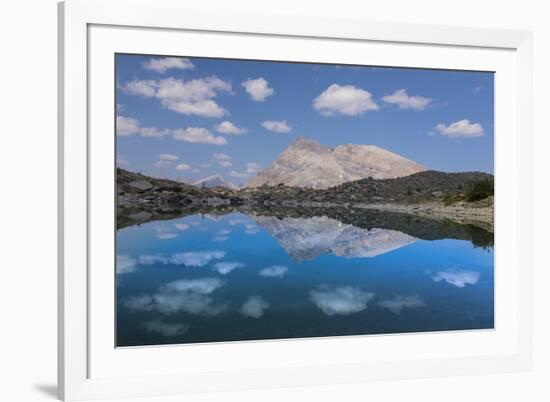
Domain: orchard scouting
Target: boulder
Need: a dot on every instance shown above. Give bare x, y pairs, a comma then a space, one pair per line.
140, 185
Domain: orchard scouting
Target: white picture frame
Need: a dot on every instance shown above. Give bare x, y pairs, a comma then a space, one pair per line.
89, 30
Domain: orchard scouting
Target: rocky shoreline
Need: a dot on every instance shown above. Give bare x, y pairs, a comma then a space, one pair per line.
422, 194
478, 213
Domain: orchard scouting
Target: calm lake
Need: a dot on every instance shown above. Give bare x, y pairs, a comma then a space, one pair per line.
248, 276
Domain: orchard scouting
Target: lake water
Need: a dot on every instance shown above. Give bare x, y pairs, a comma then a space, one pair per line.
211, 278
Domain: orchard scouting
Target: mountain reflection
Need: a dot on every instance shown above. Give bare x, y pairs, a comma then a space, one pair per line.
307, 233
308, 238
226, 274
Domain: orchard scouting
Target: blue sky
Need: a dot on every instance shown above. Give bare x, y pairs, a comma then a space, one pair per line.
188, 118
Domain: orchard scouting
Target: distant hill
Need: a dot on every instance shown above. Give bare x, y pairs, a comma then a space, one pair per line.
214, 181
416, 187
306, 163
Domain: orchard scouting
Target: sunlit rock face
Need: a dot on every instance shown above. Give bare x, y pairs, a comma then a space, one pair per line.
306, 163
307, 238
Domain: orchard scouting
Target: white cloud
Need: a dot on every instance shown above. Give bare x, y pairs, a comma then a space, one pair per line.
460, 129
198, 135
258, 89
225, 267
145, 88
166, 63
478, 88
125, 264
163, 164
195, 170
194, 97
277, 126
458, 278
224, 232
164, 328
153, 132
404, 101
226, 127
126, 126
165, 160
167, 157
254, 307
399, 303
204, 108
193, 91
189, 296
239, 175
253, 167
274, 271
220, 239
344, 99
221, 157
196, 258
183, 167
343, 300
223, 160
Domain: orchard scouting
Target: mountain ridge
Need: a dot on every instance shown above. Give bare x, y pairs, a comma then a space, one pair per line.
321, 167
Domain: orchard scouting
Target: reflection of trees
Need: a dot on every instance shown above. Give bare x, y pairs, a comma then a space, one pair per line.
480, 237
413, 225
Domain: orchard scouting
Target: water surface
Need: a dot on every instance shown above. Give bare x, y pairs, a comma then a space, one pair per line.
247, 276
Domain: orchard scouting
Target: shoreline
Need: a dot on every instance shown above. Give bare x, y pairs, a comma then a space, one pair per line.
422, 195
478, 215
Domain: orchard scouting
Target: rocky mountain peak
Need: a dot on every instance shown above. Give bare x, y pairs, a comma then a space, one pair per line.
306, 163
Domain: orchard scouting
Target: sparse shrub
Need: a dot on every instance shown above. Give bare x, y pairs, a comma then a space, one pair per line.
450, 198
479, 190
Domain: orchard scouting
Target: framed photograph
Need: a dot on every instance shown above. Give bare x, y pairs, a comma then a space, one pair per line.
264, 201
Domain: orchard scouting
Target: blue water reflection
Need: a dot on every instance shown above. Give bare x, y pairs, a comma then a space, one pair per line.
206, 278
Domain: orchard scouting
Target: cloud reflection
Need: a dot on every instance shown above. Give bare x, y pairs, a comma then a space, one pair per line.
196, 258
191, 296
181, 226
164, 233
225, 267
125, 264
165, 328
274, 271
458, 278
254, 307
342, 300
189, 258
399, 303
251, 229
